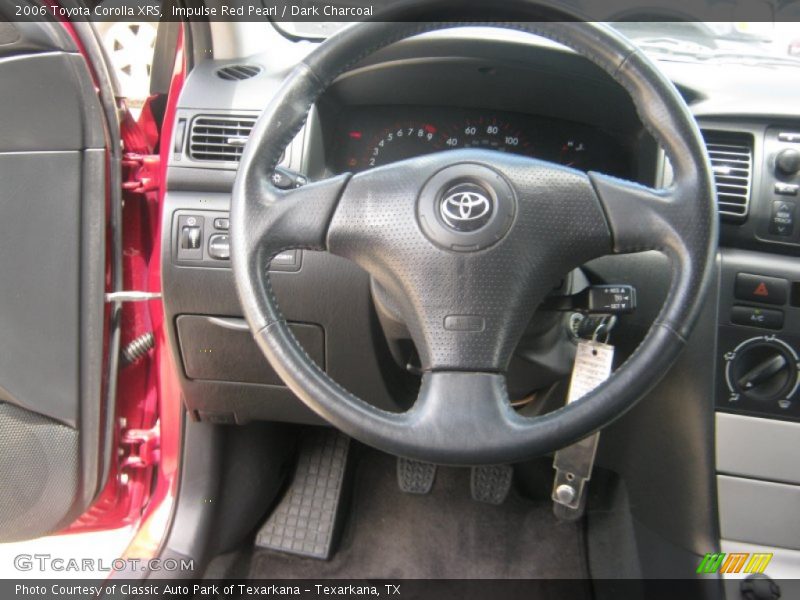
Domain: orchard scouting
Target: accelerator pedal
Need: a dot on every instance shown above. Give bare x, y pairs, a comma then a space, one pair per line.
491, 484
415, 477
304, 522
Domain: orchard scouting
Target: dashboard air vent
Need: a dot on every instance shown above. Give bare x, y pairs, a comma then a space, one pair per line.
219, 137
238, 72
731, 158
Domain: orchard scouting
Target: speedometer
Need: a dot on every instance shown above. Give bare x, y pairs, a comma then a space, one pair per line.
489, 133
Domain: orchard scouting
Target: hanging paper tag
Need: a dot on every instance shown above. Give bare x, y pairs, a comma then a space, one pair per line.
592, 367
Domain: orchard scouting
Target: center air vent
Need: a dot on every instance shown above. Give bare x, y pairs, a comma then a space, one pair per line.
238, 72
731, 158
219, 138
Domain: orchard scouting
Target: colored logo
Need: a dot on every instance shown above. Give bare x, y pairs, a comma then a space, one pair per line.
734, 562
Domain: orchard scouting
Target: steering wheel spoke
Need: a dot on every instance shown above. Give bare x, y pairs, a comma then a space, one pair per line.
640, 218
461, 409
671, 221
273, 220
296, 218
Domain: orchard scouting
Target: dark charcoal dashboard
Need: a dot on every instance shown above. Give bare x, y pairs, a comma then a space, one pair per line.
456, 93
487, 93
437, 92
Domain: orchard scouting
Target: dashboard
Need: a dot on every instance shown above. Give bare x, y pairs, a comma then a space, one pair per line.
446, 91
371, 136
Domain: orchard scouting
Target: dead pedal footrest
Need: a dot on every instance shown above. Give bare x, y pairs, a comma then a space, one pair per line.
415, 477
304, 522
491, 484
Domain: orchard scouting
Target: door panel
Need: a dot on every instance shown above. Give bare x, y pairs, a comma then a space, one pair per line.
53, 178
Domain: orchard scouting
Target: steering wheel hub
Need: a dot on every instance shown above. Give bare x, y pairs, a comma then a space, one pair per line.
466, 207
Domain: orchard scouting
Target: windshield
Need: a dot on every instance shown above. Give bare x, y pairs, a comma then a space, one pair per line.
757, 43
740, 43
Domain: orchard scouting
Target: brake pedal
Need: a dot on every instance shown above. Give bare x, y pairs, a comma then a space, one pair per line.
304, 521
415, 477
491, 484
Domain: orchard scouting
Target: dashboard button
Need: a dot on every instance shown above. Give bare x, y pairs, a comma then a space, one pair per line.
288, 260
284, 258
758, 288
191, 237
219, 247
781, 219
789, 136
757, 317
786, 189
222, 224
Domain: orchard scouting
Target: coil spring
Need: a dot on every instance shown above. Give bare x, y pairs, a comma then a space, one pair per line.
137, 348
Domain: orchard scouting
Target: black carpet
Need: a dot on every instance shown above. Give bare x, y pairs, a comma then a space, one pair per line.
389, 534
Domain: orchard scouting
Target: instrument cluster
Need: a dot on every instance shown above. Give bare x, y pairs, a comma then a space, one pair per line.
371, 136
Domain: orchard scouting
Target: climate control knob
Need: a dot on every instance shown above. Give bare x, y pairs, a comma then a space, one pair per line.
763, 369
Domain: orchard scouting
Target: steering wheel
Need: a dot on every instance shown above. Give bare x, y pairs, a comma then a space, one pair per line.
468, 243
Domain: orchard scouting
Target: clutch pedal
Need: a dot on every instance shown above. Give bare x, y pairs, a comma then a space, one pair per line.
305, 520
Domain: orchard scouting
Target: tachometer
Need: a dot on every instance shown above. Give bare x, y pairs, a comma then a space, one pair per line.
489, 133
400, 141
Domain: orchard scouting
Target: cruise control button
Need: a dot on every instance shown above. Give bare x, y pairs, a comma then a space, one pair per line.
781, 219
758, 288
219, 247
757, 317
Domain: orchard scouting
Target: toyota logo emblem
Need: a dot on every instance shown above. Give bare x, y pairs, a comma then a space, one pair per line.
466, 207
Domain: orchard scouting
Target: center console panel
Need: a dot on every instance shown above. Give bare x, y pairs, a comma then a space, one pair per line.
759, 335
757, 361
758, 401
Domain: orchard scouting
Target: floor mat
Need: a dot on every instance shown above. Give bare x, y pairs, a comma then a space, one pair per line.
446, 534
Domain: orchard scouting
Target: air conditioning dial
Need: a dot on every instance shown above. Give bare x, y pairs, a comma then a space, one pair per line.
764, 369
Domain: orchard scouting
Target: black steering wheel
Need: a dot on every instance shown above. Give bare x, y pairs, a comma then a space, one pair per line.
468, 243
